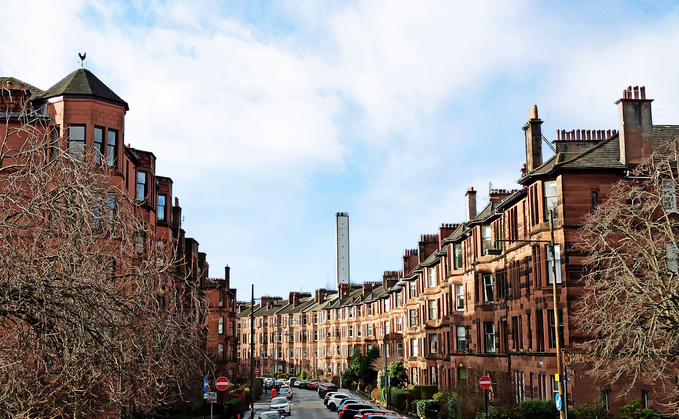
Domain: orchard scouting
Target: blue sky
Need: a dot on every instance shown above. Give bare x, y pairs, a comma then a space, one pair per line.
270, 117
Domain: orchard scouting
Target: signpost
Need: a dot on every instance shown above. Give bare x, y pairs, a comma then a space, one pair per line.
485, 382
222, 383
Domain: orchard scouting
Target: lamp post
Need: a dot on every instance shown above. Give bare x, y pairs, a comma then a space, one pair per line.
563, 413
252, 354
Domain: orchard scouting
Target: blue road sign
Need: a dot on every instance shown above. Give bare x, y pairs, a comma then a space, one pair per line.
206, 388
557, 400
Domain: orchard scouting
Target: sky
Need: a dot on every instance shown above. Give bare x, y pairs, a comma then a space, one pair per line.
271, 117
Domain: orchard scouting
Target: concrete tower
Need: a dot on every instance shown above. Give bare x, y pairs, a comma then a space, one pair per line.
342, 248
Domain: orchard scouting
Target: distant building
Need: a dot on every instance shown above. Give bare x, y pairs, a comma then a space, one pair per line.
342, 248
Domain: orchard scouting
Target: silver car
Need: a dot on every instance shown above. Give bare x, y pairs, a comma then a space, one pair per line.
281, 405
272, 414
285, 391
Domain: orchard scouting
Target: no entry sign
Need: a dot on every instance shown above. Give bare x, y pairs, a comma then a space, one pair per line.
485, 382
222, 383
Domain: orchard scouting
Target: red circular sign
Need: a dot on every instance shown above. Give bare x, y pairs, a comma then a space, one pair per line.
222, 383
257, 371
485, 382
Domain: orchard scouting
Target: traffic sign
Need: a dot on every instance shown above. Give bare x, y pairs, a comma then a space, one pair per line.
222, 383
557, 401
257, 371
211, 397
485, 382
206, 388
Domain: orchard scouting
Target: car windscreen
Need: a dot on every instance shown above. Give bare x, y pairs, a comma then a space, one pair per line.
279, 400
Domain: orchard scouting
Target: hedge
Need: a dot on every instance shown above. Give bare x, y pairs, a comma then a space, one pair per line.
425, 392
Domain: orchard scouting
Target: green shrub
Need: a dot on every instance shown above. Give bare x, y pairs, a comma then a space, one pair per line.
505, 412
232, 408
425, 392
633, 410
449, 401
399, 397
539, 409
426, 408
589, 411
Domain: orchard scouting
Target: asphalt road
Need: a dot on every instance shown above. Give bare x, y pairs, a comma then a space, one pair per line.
305, 404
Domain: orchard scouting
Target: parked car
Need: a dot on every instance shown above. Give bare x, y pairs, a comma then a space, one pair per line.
381, 416
345, 402
312, 385
285, 391
350, 410
272, 414
334, 401
269, 382
367, 412
301, 383
281, 405
324, 388
292, 381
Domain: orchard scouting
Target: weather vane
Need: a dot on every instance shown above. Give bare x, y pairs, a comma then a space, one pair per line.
82, 59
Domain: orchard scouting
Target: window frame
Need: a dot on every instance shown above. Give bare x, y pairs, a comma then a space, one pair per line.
112, 148
74, 143
550, 201
489, 337
99, 153
142, 192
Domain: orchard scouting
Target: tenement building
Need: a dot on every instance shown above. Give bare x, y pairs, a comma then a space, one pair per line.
83, 118
478, 296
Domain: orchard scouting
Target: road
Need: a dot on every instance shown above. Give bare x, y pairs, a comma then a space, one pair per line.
305, 404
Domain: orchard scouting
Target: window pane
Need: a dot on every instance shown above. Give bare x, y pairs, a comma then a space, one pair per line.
98, 144
76, 141
557, 256
161, 207
141, 186
550, 199
112, 147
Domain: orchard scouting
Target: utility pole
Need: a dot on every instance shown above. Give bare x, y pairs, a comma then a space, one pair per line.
559, 368
252, 353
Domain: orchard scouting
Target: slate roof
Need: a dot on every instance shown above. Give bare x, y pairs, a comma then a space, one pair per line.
246, 310
603, 155
82, 82
34, 90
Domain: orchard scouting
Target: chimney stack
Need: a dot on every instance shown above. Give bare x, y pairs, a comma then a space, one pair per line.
367, 289
227, 276
533, 140
636, 126
471, 204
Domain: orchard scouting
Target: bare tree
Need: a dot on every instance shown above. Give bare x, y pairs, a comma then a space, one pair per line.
91, 317
629, 315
